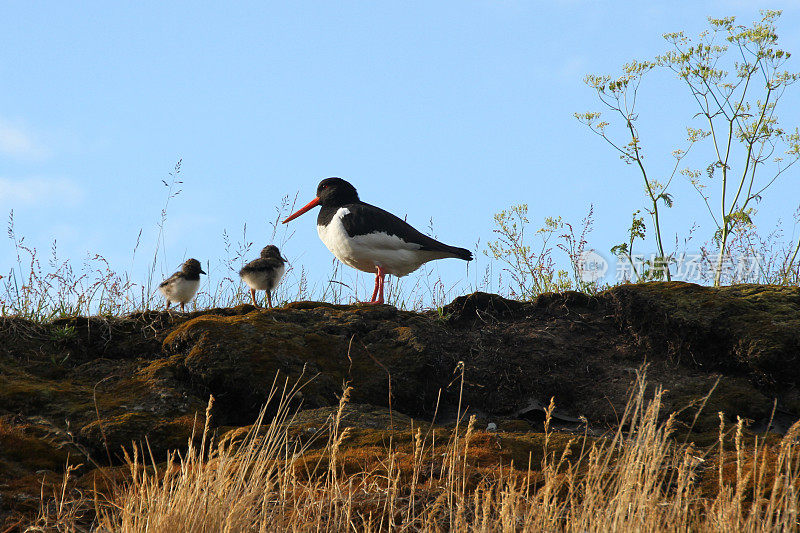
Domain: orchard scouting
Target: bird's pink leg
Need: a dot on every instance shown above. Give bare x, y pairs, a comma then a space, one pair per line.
381, 276
269, 299
253, 297
377, 284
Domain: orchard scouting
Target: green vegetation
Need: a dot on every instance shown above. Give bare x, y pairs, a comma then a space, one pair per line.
533, 270
46, 289
735, 76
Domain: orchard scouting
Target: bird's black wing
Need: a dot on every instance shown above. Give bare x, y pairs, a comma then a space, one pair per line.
172, 278
261, 265
364, 219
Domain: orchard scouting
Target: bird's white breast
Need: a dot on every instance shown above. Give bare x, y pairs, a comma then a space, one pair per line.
366, 252
278, 275
264, 280
180, 290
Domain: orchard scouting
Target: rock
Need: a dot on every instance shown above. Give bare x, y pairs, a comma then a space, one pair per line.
748, 332
237, 358
751, 330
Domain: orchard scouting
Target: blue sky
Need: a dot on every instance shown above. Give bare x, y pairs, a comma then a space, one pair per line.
443, 110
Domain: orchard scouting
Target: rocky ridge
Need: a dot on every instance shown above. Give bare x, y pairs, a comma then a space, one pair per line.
86, 387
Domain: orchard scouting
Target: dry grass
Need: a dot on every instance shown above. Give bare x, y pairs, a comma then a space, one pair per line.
640, 479
520, 263
45, 286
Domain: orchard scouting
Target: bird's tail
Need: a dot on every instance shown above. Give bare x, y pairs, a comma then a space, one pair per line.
461, 253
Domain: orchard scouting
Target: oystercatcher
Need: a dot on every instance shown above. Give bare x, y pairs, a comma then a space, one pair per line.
264, 273
182, 285
370, 239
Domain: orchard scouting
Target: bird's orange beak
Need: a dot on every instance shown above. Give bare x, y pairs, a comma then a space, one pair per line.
312, 203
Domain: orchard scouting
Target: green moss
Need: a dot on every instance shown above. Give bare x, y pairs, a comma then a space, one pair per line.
747, 327
238, 357
22, 453
161, 433
23, 392
147, 375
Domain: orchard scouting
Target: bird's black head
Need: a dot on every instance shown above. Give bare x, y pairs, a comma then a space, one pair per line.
271, 251
336, 192
192, 266
331, 192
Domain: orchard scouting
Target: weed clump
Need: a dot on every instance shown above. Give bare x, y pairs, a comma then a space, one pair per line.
639, 478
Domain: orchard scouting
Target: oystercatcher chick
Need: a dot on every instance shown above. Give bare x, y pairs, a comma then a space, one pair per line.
182, 285
370, 239
264, 273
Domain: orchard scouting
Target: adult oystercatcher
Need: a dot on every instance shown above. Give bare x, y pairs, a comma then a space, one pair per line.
370, 239
182, 285
264, 273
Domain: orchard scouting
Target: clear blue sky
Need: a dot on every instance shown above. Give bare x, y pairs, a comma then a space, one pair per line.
443, 110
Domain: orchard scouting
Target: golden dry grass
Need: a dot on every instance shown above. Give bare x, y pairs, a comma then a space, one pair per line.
640, 479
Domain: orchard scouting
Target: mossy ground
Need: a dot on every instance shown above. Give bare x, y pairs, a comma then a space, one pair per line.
86, 387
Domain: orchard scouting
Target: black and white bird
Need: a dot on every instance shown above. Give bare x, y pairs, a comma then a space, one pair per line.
264, 273
182, 285
370, 239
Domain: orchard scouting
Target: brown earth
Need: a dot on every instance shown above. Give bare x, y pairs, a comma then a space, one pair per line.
86, 387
